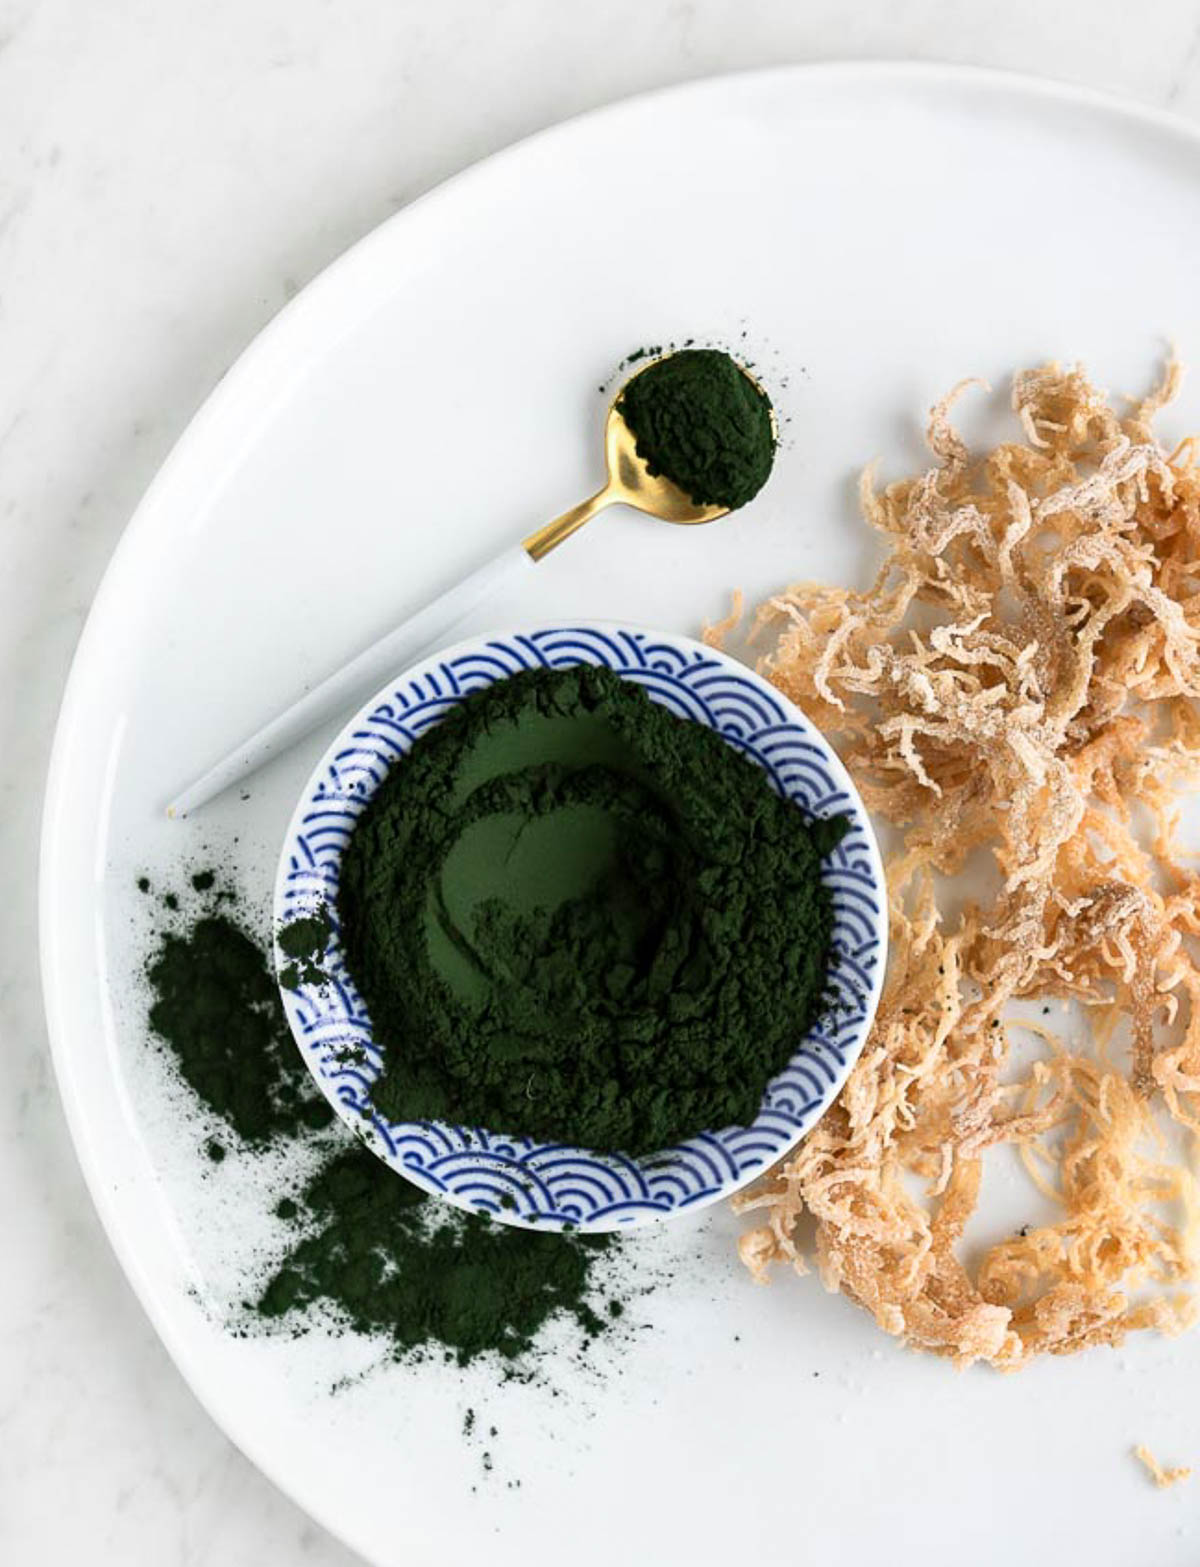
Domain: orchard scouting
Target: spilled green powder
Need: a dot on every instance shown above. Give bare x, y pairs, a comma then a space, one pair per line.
391, 1261
359, 1239
575, 916
304, 942
217, 1011
700, 421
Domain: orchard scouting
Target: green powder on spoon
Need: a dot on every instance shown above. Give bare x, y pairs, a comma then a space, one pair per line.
699, 420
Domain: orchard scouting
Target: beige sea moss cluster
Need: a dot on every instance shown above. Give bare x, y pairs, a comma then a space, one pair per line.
1019, 683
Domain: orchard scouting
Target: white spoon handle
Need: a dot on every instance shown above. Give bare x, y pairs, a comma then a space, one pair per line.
353, 683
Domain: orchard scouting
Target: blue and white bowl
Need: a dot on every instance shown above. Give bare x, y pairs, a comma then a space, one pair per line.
549, 1185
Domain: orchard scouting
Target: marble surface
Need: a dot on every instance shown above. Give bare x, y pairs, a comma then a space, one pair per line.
170, 174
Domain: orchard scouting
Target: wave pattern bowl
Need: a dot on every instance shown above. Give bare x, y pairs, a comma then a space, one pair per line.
549, 1185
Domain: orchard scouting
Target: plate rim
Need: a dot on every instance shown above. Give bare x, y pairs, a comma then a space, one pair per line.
235, 385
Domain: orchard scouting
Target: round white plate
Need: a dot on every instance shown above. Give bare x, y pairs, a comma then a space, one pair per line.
867, 235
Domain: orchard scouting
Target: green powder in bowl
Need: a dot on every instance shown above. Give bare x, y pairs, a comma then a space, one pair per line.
606, 925
573, 914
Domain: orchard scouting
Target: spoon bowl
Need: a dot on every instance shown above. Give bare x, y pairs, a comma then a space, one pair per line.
629, 483
632, 483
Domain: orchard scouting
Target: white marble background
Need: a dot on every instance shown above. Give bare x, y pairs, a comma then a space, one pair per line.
170, 172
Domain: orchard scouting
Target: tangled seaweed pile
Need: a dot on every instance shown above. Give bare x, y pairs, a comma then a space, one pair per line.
1020, 682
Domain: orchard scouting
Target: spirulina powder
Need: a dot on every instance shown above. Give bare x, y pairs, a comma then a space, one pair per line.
428, 1277
576, 916
698, 419
362, 1244
216, 1010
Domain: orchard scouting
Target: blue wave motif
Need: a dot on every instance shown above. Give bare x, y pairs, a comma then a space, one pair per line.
548, 1185
672, 1186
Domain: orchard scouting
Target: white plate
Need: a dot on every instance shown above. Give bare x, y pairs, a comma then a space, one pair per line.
876, 233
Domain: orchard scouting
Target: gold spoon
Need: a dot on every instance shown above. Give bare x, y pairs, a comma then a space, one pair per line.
629, 482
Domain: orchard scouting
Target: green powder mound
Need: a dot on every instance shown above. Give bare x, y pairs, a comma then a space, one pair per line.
216, 1009
575, 916
360, 1239
698, 420
391, 1261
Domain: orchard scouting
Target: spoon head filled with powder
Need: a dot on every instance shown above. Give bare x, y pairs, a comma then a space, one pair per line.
699, 421
689, 438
